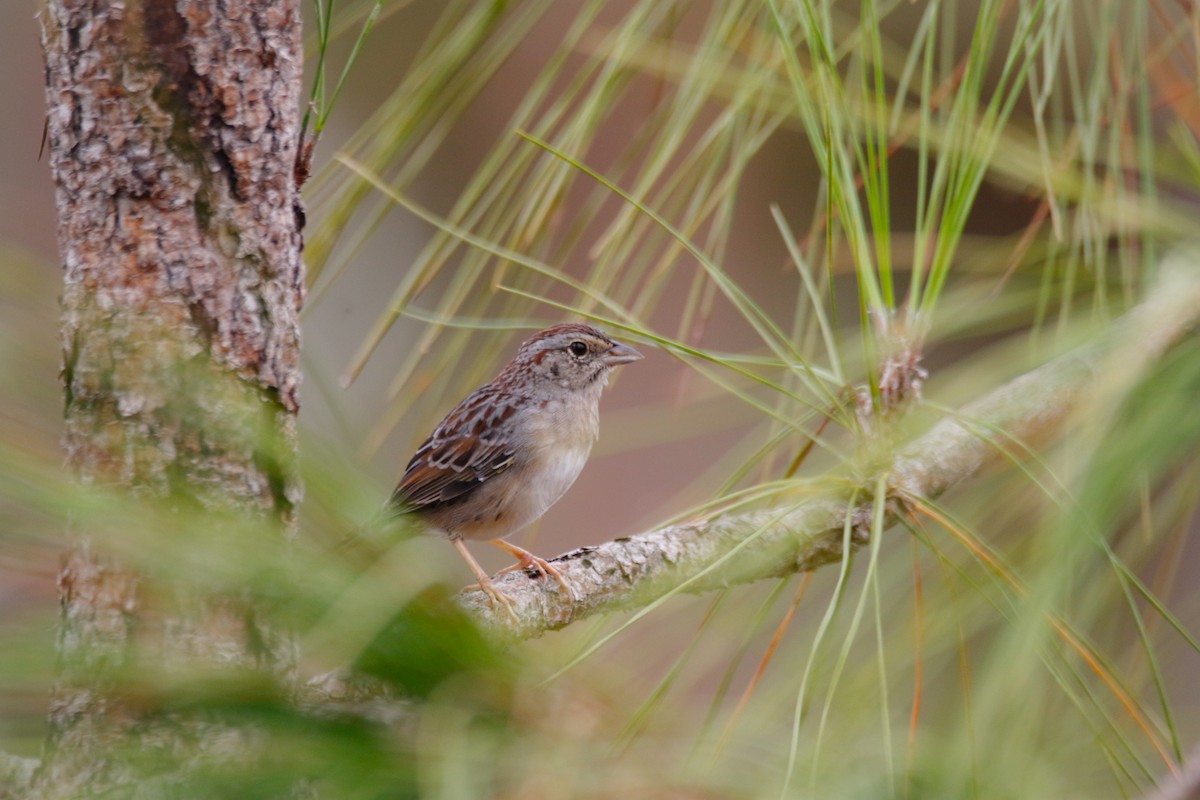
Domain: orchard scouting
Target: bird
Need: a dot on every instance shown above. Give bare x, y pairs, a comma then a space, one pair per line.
504, 455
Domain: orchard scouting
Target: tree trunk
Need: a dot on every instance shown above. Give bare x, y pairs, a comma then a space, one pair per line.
173, 130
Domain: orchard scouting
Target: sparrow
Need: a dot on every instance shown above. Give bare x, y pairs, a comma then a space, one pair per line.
512, 448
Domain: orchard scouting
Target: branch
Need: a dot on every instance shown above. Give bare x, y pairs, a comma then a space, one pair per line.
710, 554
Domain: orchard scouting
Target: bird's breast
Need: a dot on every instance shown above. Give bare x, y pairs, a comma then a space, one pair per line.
560, 441
549, 480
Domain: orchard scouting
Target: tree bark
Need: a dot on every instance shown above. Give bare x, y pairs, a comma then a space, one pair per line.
173, 130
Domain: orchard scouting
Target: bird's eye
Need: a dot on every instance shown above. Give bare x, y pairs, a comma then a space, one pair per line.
578, 349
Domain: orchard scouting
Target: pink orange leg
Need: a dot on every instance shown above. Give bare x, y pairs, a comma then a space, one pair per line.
485, 583
526, 559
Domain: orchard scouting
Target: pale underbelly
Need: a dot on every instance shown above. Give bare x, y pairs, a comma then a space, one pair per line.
513, 500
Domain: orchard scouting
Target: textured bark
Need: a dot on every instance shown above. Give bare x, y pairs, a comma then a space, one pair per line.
709, 554
173, 130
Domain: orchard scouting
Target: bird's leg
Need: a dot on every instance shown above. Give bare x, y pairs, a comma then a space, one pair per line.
497, 597
526, 559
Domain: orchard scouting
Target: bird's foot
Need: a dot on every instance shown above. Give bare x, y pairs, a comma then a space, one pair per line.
527, 560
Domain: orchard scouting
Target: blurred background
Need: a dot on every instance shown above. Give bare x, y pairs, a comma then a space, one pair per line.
1092, 177
31, 400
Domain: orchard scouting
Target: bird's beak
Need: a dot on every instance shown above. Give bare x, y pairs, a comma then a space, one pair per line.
621, 354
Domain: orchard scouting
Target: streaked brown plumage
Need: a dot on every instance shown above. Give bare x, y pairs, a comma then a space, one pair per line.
507, 452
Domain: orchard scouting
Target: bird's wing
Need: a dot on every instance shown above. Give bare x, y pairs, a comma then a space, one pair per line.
471, 445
